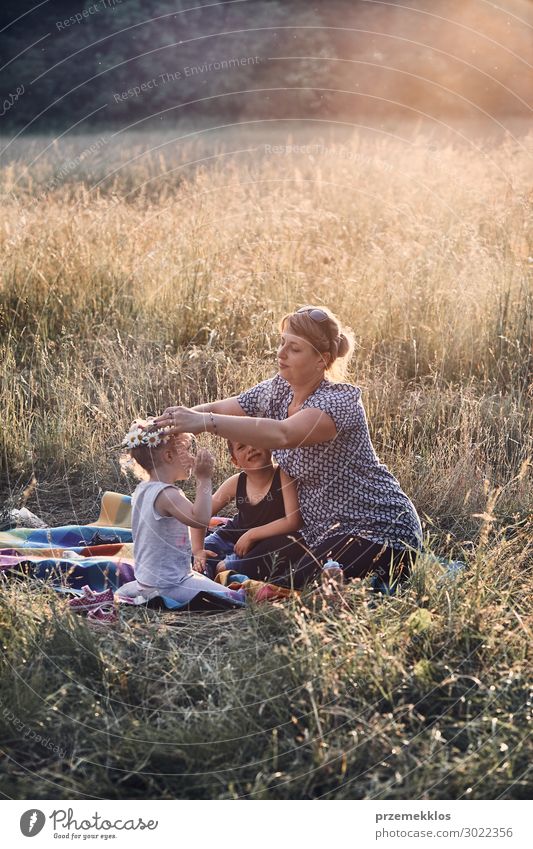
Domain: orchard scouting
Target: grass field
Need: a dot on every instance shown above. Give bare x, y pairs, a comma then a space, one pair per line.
138, 272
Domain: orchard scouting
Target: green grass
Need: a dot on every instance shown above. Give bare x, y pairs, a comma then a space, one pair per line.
420, 696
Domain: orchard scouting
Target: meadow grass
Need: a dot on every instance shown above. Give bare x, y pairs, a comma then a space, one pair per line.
133, 279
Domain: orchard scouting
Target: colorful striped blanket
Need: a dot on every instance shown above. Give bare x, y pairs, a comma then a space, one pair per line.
70, 556
101, 555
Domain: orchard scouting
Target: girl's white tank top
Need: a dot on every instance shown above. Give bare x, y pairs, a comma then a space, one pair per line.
161, 544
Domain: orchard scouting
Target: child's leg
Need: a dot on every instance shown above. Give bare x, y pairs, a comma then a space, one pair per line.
232, 559
231, 562
133, 589
222, 548
187, 589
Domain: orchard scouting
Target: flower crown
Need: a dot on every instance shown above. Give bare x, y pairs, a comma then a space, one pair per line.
144, 435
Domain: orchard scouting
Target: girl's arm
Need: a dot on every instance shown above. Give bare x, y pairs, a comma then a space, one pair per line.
224, 494
172, 502
291, 522
307, 427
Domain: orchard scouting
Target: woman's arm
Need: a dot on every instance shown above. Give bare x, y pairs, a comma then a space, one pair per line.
226, 406
304, 428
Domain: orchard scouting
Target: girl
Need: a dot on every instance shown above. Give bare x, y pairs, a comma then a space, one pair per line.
162, 516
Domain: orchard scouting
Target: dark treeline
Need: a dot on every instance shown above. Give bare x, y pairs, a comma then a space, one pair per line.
120, 62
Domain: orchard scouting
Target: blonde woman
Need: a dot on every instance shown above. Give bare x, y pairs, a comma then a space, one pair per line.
353, 509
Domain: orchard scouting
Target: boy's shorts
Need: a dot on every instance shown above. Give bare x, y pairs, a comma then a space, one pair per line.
223, 549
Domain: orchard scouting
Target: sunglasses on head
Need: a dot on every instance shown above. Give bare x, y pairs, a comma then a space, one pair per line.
314, 313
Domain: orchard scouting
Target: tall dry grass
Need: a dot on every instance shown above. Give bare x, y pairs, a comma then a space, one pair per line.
131, 279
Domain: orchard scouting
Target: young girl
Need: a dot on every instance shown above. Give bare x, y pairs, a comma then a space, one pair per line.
162, 516
267, 503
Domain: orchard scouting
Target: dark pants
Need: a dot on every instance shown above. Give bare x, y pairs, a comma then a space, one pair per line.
287, 561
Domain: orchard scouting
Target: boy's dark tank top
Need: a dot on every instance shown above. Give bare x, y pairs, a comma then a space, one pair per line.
270, 508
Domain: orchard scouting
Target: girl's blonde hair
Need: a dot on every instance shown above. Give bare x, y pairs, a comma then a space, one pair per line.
327, 337
142, 459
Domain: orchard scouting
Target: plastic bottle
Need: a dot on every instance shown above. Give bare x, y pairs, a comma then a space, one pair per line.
332, 575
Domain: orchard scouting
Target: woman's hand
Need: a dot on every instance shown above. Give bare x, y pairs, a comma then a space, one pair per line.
181, 420
245, 543
205, 464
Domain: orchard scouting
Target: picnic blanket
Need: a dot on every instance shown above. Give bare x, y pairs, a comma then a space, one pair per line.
101, 555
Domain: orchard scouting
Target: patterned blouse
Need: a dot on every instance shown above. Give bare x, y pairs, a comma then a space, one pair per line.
342, 485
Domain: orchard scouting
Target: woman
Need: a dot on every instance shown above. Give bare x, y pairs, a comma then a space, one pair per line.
352, 507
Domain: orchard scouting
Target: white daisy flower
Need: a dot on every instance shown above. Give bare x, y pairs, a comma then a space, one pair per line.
152, 439
133, 437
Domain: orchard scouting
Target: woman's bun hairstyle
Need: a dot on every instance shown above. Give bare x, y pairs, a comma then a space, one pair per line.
345, 345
